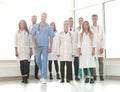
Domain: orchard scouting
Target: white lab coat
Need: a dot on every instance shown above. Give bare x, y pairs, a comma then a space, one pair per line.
23, 44
86, 59
74, 34
65, 47
30, 27
53, 54
100, 39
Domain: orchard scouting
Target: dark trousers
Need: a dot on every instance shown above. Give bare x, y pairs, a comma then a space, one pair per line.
24, 67
86, 71
76, 65
28, 69
68, 69
56, 66
101, 66
36, 67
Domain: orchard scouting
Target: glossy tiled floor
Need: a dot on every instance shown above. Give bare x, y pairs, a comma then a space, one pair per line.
56, 86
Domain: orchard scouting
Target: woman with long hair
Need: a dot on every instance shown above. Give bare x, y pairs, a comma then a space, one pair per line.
86, 49
23, 49
52, 56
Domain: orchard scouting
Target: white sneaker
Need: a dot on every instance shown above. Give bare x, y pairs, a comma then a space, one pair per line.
43, 81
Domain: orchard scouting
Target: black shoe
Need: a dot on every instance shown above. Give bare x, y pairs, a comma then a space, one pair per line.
25, 79
22, 80
58, 77
51, 77
77, 79
86, 80
68, 81
36, 77
62, 81
101, 78
92, 81
95, 78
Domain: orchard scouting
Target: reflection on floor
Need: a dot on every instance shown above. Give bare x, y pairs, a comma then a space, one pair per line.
56, 86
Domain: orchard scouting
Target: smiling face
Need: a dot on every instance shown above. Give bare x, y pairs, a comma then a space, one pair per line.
80, 21
53, 26
86, 26
94, 19
21, 25
66, 25
43, 17
34, 19
70, 20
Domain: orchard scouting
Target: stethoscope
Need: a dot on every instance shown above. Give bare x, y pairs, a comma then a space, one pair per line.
38, 29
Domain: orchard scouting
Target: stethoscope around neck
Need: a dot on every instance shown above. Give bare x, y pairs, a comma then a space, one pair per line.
38, 31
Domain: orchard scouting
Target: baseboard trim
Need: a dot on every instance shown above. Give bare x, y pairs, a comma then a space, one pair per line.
13, 78
113, 77
32, 77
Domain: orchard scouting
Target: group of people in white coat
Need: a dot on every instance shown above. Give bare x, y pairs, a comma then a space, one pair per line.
78, 48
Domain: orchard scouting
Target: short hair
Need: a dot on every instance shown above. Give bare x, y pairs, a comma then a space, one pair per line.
80, 18
44, 13
94, 15
66, 21
34, 16
70, 18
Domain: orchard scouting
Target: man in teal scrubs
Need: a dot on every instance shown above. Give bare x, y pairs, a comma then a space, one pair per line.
80, 21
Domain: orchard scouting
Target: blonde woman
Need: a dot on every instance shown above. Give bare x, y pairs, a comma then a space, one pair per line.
23, 49
86, 49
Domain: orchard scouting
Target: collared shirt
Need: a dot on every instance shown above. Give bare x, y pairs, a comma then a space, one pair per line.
42, 34
71, 29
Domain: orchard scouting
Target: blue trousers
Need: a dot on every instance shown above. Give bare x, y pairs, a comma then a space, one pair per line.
42, 60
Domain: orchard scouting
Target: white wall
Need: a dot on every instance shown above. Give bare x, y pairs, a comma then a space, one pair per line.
112, 67
12, 68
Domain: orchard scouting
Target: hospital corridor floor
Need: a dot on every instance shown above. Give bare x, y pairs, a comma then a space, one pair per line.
56, 86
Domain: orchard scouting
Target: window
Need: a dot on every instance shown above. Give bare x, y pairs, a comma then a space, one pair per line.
14, 10
111, 22
87, 12
112, 26
86, 3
